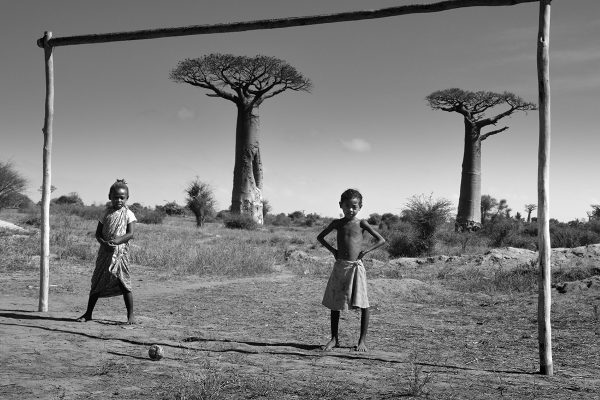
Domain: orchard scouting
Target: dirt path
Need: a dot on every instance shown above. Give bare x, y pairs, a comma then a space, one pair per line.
260, 337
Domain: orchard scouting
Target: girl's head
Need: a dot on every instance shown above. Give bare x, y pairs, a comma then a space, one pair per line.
118, 193
351, 202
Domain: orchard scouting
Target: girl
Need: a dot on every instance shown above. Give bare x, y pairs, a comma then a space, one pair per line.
114, 231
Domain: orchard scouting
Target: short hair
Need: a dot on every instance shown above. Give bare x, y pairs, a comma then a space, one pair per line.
119, 184
351, 194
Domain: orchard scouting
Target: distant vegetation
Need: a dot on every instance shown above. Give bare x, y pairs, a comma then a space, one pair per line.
424, 227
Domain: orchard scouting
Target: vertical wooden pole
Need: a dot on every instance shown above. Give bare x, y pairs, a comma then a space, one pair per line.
544, 278
46, 183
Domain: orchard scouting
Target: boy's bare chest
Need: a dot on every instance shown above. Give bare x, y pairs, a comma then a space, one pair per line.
350, 232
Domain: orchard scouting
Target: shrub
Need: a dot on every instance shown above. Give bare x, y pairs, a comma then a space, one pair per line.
312, 219
72, 198
200, 200
562, 235
403, 241
279, 220
374, 219
147, 216
388, 221
426, 215
173, 208
240, 221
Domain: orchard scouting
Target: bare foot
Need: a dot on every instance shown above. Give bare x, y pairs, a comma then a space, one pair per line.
329, 346
84, 318
131, 320
362, 346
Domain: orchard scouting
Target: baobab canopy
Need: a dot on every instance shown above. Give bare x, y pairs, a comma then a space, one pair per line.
248, 78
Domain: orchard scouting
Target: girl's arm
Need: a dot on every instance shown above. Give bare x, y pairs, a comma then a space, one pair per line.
99, 237
380, 240
321, 239
126, 237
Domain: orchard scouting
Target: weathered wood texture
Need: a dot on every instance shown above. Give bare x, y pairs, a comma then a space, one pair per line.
544, 277
46, 182
276, 23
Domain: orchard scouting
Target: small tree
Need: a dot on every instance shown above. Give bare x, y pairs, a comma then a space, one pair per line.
530, 208
488, 203
11, 183
594, 215
427, 215
200, 200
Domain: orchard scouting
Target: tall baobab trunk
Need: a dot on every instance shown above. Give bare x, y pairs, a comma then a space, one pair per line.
469, 203
246, 197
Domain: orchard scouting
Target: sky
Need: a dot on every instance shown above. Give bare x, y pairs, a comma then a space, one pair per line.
364, 125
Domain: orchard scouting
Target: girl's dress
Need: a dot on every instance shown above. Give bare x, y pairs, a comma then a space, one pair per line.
112, 263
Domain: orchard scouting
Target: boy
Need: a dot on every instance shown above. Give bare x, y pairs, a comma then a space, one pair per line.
347, 285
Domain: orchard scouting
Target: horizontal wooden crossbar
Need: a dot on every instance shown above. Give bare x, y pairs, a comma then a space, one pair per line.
274, 23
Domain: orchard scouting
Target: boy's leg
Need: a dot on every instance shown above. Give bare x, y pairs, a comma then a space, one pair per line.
90, 309
364, 327
335, 323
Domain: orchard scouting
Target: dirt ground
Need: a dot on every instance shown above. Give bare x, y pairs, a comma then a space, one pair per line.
260, 338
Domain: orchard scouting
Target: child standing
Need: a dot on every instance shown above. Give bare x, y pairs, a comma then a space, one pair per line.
114, 231
347, 285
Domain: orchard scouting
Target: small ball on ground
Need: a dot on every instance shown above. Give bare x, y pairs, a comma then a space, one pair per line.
156, 352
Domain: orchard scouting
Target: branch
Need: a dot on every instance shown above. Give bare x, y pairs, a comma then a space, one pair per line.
493, 120
488, 134
274, 23
210, 86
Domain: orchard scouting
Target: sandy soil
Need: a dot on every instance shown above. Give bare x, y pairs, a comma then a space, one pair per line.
260, 338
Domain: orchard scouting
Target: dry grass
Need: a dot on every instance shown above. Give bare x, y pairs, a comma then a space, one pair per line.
473, 328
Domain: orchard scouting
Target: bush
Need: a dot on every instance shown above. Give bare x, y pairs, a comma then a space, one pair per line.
563, 235
240, 221
279, 220
172, 209
404, 244
147, 216
426, 215
402, 241
374, 219
70, 199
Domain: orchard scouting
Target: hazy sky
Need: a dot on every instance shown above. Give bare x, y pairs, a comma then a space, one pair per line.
365, 124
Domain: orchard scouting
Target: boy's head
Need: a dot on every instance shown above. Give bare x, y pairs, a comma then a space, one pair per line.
351, 194
351, 203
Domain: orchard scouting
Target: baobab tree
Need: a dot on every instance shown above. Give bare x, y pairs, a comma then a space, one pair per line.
473, 107
530, 208
247, 82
